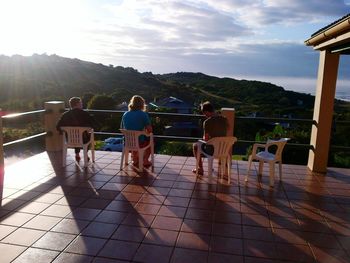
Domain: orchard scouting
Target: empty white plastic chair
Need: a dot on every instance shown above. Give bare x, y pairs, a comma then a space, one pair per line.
73, 138
132, 143
222, 152
267, 157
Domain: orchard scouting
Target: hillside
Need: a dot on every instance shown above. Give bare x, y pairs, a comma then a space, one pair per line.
26, 82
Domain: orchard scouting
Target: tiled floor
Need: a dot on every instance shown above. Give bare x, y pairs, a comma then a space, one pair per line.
101, 214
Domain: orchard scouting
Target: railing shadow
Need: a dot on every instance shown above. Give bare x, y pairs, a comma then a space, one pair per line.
183, 214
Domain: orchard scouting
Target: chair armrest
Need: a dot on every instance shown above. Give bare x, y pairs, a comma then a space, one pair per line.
256, 146
201, 141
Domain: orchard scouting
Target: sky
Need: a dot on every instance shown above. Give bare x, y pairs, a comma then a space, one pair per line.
243, 39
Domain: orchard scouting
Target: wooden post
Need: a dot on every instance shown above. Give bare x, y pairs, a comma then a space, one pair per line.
323, 111
229, 113
54, 110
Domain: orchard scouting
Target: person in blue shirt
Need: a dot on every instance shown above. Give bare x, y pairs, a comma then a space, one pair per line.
137, 119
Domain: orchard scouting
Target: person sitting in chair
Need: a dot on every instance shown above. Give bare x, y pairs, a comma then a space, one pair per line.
137, 119
215, 125
76, 117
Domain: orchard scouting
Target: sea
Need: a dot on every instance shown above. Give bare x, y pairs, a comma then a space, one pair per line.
304, 85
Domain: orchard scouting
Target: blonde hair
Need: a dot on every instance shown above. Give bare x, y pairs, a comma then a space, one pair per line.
137, 103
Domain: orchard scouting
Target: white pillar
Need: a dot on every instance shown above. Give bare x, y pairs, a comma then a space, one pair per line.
323, 111
2, 163
54, 110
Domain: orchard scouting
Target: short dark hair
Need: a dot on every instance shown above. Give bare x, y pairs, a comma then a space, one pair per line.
207, 106
74, 101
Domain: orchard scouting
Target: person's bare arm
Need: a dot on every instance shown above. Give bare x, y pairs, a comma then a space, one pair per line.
205, 136
149, 128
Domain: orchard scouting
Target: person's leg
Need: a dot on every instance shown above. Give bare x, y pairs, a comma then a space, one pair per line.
77, 156
135, 158
146, 154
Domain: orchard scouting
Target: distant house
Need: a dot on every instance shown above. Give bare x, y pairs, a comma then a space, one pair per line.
178, 128
122, 106
174, 104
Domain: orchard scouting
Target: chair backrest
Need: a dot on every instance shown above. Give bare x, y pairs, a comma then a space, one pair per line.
131, 138
280, 146
74, 135
222, 145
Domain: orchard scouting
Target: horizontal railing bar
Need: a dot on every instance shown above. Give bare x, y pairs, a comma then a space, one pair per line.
273, 119
24, 139
192, 139
176, 138
151, 113
236, 117
14, 115
336, 147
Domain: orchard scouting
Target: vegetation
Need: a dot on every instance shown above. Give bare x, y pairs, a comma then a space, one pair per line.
27, 82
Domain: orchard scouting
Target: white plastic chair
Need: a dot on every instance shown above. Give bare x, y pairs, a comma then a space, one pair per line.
132, 143
222, 152
73, 138
267, 157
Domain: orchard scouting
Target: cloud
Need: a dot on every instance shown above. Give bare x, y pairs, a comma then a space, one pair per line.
217, 37
286, 12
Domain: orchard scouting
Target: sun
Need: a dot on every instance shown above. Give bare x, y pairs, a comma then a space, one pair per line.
40, 26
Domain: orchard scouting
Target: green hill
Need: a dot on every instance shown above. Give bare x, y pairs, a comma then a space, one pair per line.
26, 82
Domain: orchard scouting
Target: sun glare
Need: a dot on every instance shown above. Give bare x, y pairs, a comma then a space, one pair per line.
40, 26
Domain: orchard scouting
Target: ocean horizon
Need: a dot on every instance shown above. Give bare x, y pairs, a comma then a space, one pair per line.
302, 84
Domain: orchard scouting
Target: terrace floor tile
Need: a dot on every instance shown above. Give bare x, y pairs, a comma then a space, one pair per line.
101, 214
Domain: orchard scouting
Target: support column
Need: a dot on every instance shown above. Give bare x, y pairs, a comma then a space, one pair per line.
229, 113
323, 111
54, 110
2, 163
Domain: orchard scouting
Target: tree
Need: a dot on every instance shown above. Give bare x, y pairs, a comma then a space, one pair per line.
86, 98
101, 102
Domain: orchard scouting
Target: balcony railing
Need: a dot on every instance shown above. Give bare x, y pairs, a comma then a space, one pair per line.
161, 137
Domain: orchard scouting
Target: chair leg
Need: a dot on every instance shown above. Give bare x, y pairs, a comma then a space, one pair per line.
222, 167
280, 170
197, 161
261, 167
228, 163
85, 156
64, 157
250, 159
126, 157
141, 161
210, 166
122, 159
92, 154
152, 158
272, 174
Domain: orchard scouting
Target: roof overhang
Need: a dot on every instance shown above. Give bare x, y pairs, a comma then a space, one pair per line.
335, 37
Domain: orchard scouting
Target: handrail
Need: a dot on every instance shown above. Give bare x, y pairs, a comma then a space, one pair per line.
150, 112
273, 119
176, 138
14, 115
193, 139
25, 139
